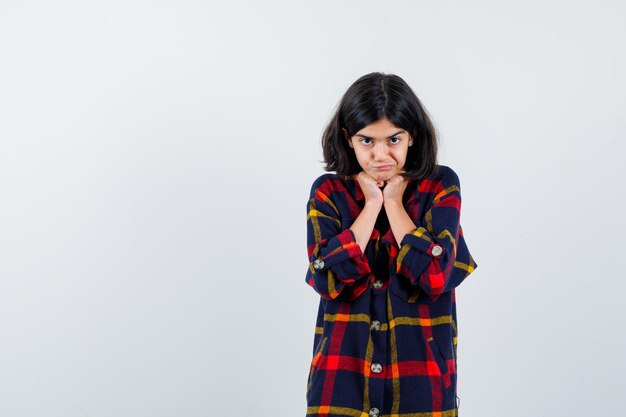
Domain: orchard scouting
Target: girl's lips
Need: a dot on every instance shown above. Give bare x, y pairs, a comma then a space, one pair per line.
384, 167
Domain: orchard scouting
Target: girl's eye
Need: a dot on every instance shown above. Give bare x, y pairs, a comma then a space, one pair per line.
368, 139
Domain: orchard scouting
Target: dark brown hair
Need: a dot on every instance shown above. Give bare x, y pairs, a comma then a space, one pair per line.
373, 97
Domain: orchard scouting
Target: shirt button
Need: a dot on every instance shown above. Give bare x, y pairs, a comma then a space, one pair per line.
436, 250
377, 284
375, 325
376, 368
374, 412
318, 264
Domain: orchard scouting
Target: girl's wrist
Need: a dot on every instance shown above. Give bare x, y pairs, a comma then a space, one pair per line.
393, 204
394, 208
376, 205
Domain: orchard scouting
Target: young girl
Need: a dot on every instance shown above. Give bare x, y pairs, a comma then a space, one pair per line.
386, 252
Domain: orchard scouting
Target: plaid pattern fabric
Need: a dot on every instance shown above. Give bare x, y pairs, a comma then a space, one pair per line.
386, 336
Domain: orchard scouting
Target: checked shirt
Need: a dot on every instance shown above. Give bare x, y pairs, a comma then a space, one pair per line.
385, 339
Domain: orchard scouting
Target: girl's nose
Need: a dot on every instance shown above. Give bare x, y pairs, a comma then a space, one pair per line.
380, 152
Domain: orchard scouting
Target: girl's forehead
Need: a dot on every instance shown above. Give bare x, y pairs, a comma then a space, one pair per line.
380, 133
381, 128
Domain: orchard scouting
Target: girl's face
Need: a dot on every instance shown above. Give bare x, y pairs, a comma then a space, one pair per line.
380, 148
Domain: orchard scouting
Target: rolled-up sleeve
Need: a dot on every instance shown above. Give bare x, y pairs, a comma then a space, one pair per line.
434, 255
337, 265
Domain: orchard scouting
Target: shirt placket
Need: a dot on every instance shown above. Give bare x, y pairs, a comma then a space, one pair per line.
378, 327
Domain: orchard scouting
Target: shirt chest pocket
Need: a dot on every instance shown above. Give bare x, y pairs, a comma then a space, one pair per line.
405, 291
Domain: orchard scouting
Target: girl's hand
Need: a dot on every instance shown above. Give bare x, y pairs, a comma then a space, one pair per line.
370, 188
394, 190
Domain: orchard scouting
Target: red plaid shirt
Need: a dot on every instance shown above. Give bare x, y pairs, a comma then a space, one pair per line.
386, 334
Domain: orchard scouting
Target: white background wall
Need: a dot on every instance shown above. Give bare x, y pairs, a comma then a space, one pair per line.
155, 164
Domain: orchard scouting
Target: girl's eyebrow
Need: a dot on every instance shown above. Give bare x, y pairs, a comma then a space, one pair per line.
368, 137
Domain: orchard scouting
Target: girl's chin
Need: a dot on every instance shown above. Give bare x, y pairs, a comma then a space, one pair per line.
383, 176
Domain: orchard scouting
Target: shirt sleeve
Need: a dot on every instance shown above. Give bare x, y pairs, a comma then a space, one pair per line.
337, 266
434, 255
